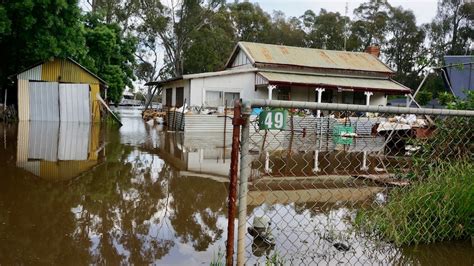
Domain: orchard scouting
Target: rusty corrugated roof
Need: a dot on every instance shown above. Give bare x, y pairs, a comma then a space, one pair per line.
347, 82
314, 58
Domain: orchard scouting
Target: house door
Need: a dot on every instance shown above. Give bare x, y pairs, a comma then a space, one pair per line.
179, 96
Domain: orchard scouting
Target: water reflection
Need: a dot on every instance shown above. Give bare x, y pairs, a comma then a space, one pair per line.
153, 197
56, 151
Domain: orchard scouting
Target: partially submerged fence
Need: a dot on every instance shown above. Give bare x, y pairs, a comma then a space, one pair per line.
335, 189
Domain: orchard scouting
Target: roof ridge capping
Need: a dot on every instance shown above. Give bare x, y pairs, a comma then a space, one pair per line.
309, 57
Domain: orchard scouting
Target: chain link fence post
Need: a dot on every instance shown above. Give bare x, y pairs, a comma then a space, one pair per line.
236, 122
243, 184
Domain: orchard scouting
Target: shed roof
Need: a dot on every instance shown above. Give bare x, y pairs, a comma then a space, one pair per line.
309, 57
69, 59
343, 82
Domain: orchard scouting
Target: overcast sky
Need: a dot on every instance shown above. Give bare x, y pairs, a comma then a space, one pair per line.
424, 10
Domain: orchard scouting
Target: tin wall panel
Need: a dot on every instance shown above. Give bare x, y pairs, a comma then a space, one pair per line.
43, 141
73, 141
72, 73
44, 101
22, 141
74, 103
51, 70
32, 73
23, 100
205, 123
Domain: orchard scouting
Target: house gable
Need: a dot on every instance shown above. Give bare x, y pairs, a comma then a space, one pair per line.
240, 60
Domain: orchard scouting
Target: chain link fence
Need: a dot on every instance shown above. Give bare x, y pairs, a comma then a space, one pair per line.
333, 183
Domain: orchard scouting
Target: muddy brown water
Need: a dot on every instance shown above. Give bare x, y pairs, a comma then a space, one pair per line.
76, 194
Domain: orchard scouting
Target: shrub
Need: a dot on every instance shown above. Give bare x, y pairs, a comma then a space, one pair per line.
437, 209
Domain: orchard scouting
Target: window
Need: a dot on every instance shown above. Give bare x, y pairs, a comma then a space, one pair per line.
353, 98
283, 93
179, 96
327, 96
213, 98
359, 98
169, 97
230, 97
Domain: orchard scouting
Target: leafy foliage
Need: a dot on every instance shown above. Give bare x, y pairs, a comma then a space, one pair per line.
110, 54
438, 209
33, 31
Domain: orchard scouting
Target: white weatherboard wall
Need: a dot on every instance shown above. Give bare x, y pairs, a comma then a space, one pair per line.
241, 60
44, 101
173, 85
74, 103
243, 83
378, 99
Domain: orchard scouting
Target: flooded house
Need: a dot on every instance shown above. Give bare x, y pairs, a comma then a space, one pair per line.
279, 72
59, 90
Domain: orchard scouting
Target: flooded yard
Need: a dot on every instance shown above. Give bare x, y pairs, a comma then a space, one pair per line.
80, 194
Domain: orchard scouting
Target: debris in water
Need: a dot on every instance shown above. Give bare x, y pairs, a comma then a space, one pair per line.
342, 247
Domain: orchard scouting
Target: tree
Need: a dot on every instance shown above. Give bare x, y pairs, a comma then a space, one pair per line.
285, 31
326, 31
250, 22
404, 49
110, 54
210, 46
33, 31
370, 25
176, 24
451, 31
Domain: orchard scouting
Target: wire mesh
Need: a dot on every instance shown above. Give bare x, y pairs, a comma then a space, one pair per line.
335, 188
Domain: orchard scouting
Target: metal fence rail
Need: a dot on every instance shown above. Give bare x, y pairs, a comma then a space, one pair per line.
310, 193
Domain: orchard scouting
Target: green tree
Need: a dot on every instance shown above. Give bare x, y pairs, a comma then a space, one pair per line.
251, 23
370, 26
326, 31
424, 97
35, 30
110, 54
211, 45
404, 49
451, 31
286, 31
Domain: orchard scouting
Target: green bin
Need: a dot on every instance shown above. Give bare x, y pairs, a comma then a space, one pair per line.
340, 130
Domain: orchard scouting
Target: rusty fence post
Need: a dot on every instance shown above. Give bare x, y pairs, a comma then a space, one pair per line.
234, 162
245, 160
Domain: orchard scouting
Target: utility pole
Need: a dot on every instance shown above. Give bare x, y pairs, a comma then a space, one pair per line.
345, 25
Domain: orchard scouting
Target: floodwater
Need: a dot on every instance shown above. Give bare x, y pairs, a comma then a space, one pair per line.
75, 194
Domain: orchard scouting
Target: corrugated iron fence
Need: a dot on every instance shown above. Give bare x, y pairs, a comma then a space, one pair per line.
351, 190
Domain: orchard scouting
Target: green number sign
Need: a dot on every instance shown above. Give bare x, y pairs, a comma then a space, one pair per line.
272, 119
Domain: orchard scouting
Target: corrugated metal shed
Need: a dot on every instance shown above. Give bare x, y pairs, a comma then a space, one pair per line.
62, 71
74, 104
32, 73
308, 57
362, 83
460, 70
23, 100
44, 101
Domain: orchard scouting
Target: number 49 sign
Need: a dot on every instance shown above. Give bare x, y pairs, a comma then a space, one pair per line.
272, 119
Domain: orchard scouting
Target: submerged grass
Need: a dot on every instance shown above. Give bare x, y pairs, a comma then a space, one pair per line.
438, 208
